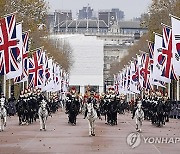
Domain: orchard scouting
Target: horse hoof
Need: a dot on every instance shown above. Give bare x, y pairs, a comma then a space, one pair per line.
40, 129
93, 135
90, 135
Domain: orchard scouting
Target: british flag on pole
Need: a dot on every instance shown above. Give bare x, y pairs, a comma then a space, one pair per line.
10, 54
36, 69
168, 68
159, 60
25, 60
145, 71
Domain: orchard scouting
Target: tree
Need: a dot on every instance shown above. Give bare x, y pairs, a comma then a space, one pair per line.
159, 13
33, 13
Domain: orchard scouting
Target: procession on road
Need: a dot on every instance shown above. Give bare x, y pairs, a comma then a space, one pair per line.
92, 80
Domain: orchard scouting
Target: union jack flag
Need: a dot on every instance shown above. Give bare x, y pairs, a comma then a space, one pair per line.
47, 71
168, 70
151, 53
25, 62
144, 71
36, 69
9, 53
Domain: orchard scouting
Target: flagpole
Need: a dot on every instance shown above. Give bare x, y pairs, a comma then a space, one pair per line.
9, 89
4, 85
27, 84
23, 84
169, 90
178, 89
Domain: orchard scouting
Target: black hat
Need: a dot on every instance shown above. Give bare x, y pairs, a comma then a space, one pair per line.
92, 93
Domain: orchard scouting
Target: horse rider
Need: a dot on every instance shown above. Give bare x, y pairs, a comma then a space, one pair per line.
3, 98
138, 101
72, 106
93, 100
11, 105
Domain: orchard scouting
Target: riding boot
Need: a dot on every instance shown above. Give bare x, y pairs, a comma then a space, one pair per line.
85, 114
136, 127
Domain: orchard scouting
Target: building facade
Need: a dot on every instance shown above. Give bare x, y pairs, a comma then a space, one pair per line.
85, 13
87, 69
116, 39
81, 27
108, 17
61, 16
119, 14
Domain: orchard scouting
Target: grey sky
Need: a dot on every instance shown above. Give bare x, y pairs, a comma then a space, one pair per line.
131, 8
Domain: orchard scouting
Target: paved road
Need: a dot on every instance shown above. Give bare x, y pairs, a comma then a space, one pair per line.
62, 138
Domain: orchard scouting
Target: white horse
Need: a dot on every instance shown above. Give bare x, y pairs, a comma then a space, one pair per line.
3, 114
43, 114
139, 117
91, 116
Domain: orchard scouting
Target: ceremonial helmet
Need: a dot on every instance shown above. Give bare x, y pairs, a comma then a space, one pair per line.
92, 93
73, 90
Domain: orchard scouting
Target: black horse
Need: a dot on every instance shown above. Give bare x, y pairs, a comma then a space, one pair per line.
72, 108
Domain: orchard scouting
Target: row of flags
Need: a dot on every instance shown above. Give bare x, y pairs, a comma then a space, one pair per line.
39, 70
158, 67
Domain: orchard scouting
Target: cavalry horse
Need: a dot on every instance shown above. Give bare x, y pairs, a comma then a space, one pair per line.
43, 114
91, 116
139, 117
3, 114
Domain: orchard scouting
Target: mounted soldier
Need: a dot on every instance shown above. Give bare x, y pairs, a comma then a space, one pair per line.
11, 105
92, 100
72, 106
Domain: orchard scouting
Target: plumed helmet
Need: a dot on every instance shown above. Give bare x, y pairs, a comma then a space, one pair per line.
92, 92
73, 88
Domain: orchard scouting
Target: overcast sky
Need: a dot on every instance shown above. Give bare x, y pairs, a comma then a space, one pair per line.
131, 8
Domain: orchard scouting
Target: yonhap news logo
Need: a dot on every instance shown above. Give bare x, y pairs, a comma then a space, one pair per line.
135, 139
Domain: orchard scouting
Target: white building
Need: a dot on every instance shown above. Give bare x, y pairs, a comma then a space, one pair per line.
88, 60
